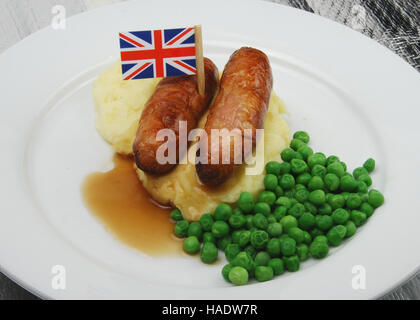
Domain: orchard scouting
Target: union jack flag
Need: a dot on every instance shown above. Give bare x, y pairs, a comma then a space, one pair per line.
157, 53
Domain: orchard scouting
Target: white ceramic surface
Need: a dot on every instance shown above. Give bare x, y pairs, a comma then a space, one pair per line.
356, 98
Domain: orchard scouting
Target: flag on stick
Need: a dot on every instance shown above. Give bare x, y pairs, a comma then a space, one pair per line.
162, 53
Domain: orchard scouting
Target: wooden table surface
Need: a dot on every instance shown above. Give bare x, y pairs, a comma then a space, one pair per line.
383, 21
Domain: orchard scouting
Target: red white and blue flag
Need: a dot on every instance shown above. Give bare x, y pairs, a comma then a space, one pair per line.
157, 53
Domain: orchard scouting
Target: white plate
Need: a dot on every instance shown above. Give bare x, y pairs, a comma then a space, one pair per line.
356, 98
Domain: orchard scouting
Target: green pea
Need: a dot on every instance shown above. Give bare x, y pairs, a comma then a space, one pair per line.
237, 221
223, 242
263, 273
302, 251
325, 208
262, 258
287, 154
275, 229
307, 239
191, 245
297, 210
317, 158
288, 222
263, 208
332, 159
295, 144
271, 181
209, 252
278, 191
328, 196
358, 217
231, 251
359, 171
251, 251
244, 238
315, 232
305, 151
317, 197
246, 202
310, 207
348, 183
176, 215
284, 201
195, 230
306, 221
220, 229
285, 167
304, 178
301, 135
259, 239
340, 216
321, 238
345, 168
318, 170
362, 187
249, 221
181, 228
236, 235
319, 249
206, 221
369, 165
298, 166
208, 237
299, 187
335, 235
315, 183
288, 246
280, 212
364, 197
243, 259
225, 271
287, 181
367, 209
302, 195
296, 234
273, 247
238, 276
353, 201
292, 263
345, 195
268, 197
237, 211
260, 221
223, 212
271, 218
273, 167
332, 182
350, 229
323, 222
366, 179
337, 201
277, 265
290, 194
336, 168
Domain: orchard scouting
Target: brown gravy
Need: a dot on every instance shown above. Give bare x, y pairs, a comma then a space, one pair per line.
119, 200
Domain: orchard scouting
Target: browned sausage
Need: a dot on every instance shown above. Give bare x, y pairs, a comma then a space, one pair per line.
175, 99
241, 103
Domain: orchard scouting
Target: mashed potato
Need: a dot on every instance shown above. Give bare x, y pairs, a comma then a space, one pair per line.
119, 105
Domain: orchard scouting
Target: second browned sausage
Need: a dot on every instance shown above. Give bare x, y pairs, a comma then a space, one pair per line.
242, 102
175, 99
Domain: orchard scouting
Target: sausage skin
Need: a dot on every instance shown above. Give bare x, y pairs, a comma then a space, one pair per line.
175, 99
242, 103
